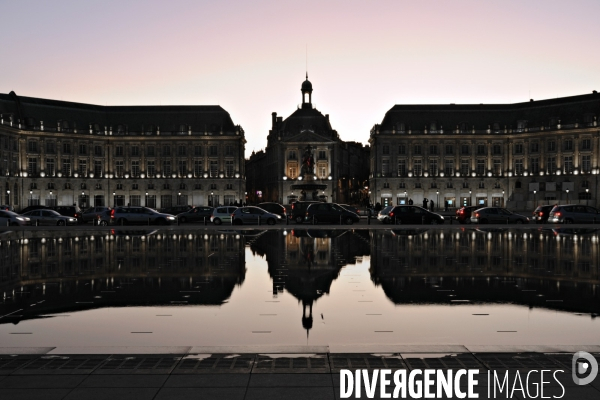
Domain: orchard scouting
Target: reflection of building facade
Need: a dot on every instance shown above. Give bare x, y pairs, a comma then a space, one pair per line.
421, 265
63, 153
135, 267
341, 167
306, 262
491, 155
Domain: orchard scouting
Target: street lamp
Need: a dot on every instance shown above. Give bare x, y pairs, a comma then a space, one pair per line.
470, 197
114, 199
587, 191
405, 199
146, 199
179, 198
437, 192
567, 196
534, 199
30, 196
503, 198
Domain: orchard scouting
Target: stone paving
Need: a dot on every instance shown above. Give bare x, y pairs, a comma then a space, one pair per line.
254, 376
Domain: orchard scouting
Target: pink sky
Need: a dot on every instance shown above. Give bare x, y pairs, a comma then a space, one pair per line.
249, 57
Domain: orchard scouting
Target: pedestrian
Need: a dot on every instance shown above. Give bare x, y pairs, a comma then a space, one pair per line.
410, 202
425, 203
431, 205
445, 205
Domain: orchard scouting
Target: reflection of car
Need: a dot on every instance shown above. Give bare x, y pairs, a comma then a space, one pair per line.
49, 217
573, 214
330, 213
463, 214
274, 208
408, 232
299, 210
576, 231
70, 211
139, 215
497, 215
9, 218
541, 214
384, 215
222, 214
253, 215
414, 215
93, 213
195, 214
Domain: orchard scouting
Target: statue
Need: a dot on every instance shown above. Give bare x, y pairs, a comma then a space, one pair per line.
308, 162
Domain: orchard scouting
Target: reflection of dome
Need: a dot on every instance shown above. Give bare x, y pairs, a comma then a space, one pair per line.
306, 85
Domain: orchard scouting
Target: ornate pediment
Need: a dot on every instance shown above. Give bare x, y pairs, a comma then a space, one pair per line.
307, 136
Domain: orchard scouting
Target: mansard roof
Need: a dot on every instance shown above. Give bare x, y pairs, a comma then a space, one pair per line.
306, 119
568, 110
31, 110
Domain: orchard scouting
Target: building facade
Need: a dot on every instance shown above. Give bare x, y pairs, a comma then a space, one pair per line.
340, 167
63, 153
507, 155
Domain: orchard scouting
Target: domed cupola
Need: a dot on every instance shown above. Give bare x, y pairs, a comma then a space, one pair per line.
306, 93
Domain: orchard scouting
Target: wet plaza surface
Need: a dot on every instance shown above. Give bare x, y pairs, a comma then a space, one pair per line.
148, 313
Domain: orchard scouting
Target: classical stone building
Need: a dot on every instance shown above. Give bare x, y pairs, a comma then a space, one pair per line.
513, 155
63, 153
340, 169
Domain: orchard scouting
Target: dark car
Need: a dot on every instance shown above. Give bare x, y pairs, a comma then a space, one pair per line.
463, 214
299, 210
350, 208
32, 208
274, 208
196, 214
497, 215
70, 211
573, 214
330, 213
93, 213
174, 210
402, 215
541, 214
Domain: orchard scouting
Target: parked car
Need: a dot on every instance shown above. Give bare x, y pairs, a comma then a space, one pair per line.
49, 217
93, 213
6, 208
541, 214
104, 218
384, 215
31, 208
175, 210
299, 210
573, 214
254, 215
139, 215
195, 214
414, 215
222, 215
9, 218
330, 213
274, 208
463, 214
497, 215
70, 211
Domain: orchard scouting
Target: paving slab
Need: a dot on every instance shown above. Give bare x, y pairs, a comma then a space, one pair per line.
112, 394
41, 381
207, 380
201, 393
290, 380
33, 394
313, 393
123, 381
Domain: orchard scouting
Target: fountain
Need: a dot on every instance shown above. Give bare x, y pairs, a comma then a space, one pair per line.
307, 175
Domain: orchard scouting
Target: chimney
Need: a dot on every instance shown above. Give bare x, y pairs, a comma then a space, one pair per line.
273, 119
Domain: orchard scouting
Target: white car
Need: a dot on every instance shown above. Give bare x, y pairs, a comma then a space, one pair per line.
222, 215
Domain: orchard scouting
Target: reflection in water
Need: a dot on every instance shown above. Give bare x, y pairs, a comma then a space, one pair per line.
45, 274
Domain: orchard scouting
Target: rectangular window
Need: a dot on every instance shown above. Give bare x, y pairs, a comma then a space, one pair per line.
150, 169
293, 172
135, 200
166, 168
82, 149
417, 149
433, 149
119, 169
401, 167
519, 166
135, 169
586, 164
449, 168
135, 151
119, 151
449, 149
481, 149
213, 151
568, 163
568, 144
151, 201
385, 168
518, 148
32, 146
166, 200
182, 168
534, 147
166, 150
551, 145
32, 167
150, 151
386, 150
323, 154
66, 167
402, 149
497, 149
229, 151
98, 169
229, 169
417, 168
586, 144
198, 168
480, 168
464, 167
497, 167
551, 165
292, 155
323, 171
83, 168
464, 149
433, 167
50, 168
66, 148
50, 147
197, 151
214, 169
534, 165
98, 151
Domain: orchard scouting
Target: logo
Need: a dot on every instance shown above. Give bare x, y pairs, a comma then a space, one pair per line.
582, 364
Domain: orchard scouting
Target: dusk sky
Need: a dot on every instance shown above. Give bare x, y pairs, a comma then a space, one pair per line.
250, 57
